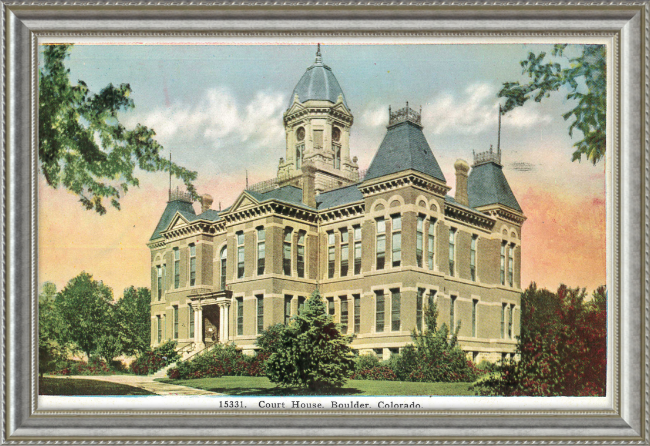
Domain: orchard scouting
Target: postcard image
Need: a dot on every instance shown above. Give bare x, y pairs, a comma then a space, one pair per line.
322, 224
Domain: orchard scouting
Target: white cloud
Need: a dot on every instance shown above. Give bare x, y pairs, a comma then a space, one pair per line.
375, 116
219, 120
474, 111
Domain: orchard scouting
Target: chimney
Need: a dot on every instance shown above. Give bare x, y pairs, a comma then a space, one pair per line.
206, 202
309, 184
461, 182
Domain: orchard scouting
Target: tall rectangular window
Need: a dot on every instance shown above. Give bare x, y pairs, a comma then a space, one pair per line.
191, 321
241, 255
261, 251
397, 240
419, 313
344, 314
224, 258
331, 254
164, 275
240, 316
301, 303
300, 262
344, 252
177, 268
452, 250
159, 281
430, 242
379, 313
159, 322
318, 139
503, 263
511, 263
474, 310
431, 299
381, 243
330, 306
287, 308
503, 321
419, 241
357, 313
510, 320
286, 251
452, 313
175, 308
164, 324
357, 250
260, 313
395, 309
472, 257
192, 264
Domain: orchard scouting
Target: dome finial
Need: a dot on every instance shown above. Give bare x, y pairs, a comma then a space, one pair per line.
319, 59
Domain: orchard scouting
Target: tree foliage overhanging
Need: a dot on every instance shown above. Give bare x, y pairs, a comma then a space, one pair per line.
586, 79
82, 144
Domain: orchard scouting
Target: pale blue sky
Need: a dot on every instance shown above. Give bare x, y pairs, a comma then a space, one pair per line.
219, 107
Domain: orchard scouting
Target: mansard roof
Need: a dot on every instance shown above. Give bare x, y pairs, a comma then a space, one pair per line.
404, 147
487, 185
287, 194
339, 197
183, 207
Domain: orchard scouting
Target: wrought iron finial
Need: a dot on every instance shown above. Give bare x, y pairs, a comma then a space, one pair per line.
319, 58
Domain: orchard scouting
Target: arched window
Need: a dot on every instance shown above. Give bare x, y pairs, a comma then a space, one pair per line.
223, 257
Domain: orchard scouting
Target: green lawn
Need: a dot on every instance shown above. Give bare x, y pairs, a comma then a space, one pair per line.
261, 386
72, 386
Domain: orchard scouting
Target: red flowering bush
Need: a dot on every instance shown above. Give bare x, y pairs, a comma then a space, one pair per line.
563, 347
95, 366
219, 361
151, 361
377, 373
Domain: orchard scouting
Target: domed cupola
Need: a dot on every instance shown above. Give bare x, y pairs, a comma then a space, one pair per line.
318, 84
317, 126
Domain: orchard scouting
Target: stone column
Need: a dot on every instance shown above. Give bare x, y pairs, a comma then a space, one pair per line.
199, 326
221, 324
226, 317
197, 336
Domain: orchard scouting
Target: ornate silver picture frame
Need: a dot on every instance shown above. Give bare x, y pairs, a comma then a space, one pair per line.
621, 417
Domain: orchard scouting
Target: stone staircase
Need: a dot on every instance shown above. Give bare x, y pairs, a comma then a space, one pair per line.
162, 373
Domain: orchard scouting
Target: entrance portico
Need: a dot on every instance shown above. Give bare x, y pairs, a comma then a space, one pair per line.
214, 303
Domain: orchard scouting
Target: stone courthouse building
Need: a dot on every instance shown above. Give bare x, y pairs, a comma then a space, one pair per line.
379, 247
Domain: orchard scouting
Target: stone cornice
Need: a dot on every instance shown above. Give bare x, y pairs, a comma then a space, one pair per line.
301, 113
342, 212
504, 213
403, 179
468, 216
268, 208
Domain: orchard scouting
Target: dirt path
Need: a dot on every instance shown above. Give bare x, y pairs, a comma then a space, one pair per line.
146, 383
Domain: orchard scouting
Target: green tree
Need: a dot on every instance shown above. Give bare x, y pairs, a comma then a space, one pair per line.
310, 351
585, 78
132, 316
82, 144
435, 355
85, 308
51, 331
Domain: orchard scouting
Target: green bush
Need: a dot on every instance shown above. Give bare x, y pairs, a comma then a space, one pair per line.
365, 362
151, 361
435, 355
220, 360
310, 351
95, 366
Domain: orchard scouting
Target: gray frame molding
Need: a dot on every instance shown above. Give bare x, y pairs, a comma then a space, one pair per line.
626, 22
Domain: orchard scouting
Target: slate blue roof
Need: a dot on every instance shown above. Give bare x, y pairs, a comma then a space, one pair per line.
183, 207
404, 147
210, 214
488, 185
339, 197
288, 194
318, 83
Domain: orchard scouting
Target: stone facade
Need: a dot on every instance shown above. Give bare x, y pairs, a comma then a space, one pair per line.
378, 249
